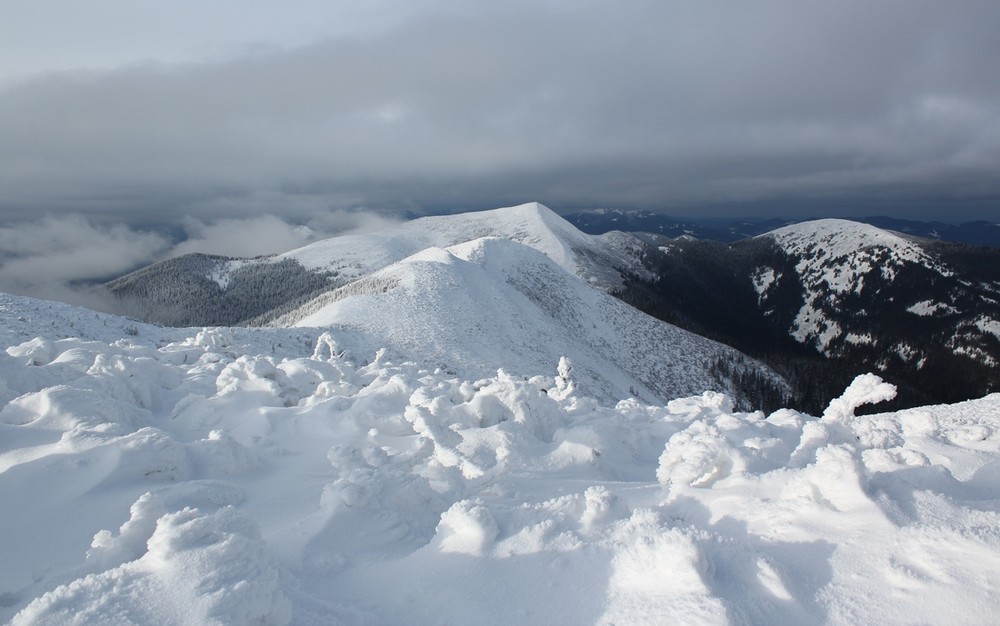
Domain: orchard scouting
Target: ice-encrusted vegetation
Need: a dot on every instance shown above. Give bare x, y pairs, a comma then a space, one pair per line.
285, 476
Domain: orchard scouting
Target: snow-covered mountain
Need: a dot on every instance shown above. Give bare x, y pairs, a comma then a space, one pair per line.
924, 313
863, 286
156, 475
837, 264
598, 221
514, 288
199, 289
350, 257
495, 303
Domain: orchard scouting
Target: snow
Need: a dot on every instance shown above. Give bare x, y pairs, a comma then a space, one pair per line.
859, 339
532, 224
763, 278
988, 325
836, 257
928, 308
292, 476
475, 307
222, 272
968, 337
191, 568
811, 324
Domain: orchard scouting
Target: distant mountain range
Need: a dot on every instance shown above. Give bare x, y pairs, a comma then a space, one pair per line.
598, 221
817, 302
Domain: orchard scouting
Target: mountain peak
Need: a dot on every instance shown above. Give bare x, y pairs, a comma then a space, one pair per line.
838, 260
532, 224
834, 239
837, 228
340, 260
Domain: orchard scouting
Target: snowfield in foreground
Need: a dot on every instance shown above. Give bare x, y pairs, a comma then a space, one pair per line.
172, 476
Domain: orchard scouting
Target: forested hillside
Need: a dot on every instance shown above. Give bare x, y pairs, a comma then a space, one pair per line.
929, 325
203, 290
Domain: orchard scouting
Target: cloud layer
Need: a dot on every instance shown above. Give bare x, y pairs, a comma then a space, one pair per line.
62, 257
670, 105
48, 258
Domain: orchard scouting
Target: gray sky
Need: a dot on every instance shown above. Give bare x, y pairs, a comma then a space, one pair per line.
248, 127
152, 111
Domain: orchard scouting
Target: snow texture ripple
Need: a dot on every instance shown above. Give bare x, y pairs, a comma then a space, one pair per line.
274, 476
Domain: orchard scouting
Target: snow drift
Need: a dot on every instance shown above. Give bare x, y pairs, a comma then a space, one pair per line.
236, 476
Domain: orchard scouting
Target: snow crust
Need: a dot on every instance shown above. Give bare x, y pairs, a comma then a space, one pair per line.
282, 476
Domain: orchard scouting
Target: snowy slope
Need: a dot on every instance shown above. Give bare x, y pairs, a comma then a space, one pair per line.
494, 303
237, 476
202, 290
920, 313
894, 302
532, 224
837, 258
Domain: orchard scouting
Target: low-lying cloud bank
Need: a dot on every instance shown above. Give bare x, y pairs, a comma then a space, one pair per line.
62, 257
51, 257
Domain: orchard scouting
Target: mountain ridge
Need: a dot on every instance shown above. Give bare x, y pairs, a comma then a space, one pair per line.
152, 293
442, 287
827, 299
599, 221
819, 300
511, 301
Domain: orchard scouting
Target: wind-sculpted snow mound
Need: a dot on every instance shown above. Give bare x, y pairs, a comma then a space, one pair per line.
188, 479
192, 568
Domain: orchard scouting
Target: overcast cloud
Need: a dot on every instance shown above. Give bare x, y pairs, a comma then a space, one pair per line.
142, 114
